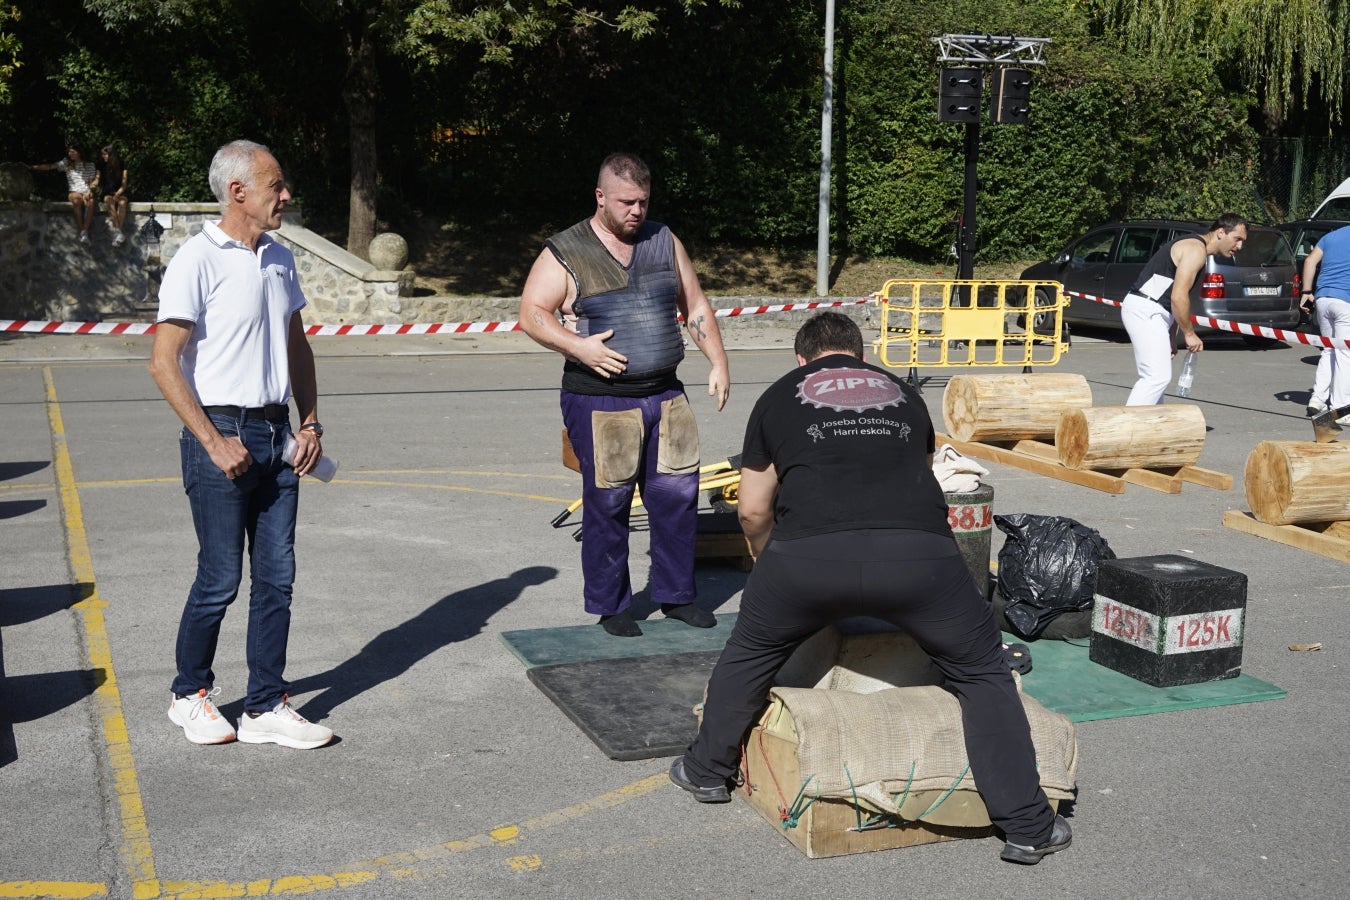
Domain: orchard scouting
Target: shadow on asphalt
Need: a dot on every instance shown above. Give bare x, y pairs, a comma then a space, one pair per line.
453, 618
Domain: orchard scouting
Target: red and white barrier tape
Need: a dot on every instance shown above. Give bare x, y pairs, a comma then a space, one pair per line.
784, 307
39, 327
1279, 334
77, 327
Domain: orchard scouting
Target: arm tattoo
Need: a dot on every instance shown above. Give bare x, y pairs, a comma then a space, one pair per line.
696, 327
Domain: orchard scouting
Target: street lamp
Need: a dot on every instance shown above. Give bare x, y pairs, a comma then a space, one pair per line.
151, 230
149, 233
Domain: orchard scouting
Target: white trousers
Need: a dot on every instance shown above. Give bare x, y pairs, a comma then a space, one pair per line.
1333, 318
1149, 325
1321, 389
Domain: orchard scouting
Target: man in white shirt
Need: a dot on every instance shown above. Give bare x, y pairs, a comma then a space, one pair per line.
230, 350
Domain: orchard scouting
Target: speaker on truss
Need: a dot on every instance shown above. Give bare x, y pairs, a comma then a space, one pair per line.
959, 93
1012, 96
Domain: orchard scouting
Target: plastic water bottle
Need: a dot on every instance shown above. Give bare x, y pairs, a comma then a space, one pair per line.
324, 470
1187, 376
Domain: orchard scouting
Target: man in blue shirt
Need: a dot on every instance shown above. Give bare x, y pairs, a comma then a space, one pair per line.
1332, 295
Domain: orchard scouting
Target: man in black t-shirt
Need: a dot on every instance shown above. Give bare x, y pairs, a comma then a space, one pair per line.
845, 518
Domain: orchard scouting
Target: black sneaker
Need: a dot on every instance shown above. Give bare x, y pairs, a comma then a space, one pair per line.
1061, 836
718, 794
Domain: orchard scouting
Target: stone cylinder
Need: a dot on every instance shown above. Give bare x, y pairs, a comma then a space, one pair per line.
971, 516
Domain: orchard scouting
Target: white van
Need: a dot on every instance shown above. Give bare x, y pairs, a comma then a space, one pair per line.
1336, 205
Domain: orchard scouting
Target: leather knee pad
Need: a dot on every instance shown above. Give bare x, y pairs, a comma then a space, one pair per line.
616, 440
677, 445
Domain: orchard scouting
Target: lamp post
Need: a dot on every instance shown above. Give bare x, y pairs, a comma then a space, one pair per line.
149, 234
826, 129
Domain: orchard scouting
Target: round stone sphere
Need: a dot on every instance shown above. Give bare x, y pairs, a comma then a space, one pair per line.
388, 252
16, 182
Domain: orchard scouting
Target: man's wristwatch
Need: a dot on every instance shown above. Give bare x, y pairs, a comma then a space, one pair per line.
314, 427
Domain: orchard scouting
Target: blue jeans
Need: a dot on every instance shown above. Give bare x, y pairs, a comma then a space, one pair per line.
260, 506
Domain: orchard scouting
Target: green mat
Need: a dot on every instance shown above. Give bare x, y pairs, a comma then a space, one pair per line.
580, 643
1066, 681
1062, 676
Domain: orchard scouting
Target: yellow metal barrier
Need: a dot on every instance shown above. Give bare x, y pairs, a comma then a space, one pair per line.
935, 323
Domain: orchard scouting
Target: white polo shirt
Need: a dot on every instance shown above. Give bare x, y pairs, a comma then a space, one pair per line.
240, 302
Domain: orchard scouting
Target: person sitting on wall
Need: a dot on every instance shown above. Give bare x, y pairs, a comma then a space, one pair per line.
81, 182
113, 180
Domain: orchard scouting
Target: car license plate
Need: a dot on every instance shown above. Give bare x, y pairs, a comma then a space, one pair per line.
1252, 291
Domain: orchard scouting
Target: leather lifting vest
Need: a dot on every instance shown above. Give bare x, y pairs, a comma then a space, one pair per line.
637, 301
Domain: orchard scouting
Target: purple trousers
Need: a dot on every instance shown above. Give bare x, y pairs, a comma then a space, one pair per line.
671, 502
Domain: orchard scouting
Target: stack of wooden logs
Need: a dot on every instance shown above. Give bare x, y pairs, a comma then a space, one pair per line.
998, 408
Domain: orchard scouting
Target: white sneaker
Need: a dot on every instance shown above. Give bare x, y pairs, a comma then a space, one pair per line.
283, 725
201, 722
118, 239
84, 237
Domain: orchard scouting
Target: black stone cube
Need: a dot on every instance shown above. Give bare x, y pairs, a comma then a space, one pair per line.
1168, 620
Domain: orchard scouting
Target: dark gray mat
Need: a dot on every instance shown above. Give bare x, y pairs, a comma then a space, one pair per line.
634, 707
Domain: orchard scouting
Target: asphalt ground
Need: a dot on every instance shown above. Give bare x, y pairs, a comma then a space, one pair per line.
452, 775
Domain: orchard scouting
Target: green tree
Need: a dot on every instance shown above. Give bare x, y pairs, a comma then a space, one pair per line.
1279, 50
9, 50
1112, 134
429, 32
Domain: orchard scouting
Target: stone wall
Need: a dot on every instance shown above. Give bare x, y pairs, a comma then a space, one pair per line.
47, 274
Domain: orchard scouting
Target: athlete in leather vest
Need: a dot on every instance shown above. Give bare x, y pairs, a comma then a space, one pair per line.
619, 280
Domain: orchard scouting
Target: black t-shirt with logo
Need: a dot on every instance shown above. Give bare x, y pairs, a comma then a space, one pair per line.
850, 444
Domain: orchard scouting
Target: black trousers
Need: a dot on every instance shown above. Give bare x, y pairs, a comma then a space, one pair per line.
919, 582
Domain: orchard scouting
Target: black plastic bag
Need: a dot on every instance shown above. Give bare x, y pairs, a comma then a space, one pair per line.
1047, 567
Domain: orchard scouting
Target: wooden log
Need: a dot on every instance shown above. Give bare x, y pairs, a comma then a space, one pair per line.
1130, 437
1010, 407
1289, 482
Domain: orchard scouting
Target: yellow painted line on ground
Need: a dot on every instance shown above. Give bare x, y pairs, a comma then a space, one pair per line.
132, 482
58, 890
506, 834
136, 853
408, 864
31, 486
464, 472
452, 487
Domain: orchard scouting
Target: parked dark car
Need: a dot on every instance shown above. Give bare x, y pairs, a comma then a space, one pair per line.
1258, 286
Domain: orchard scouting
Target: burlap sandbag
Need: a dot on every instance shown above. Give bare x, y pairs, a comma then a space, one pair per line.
899, 751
